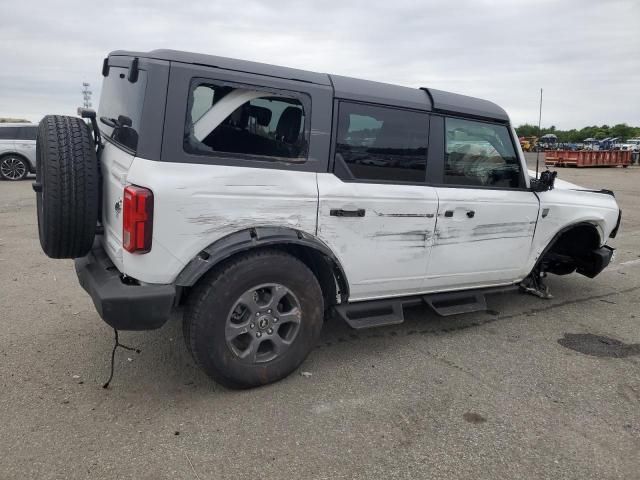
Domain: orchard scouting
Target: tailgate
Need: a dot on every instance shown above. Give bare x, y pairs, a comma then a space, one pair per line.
115, 164
121, 117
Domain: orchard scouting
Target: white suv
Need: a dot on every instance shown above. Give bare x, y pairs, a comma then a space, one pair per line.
263, 198
17, 150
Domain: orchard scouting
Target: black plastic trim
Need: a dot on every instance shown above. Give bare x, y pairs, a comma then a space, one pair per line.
390, 311
245, 240
614, 232
123, 306
133, 71
597, 261
105, 67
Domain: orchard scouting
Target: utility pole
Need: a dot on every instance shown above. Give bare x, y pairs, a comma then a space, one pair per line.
86, 95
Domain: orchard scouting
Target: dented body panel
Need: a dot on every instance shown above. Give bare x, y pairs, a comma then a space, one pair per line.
199, 204
385, 251
566, 205
485, 241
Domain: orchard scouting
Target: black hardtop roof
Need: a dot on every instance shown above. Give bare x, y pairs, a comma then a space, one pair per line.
344, 87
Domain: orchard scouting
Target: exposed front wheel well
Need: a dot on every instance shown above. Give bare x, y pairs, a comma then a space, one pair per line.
571, 248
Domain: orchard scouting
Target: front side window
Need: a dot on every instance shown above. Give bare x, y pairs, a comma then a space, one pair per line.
245, 122
381, 143
480, 154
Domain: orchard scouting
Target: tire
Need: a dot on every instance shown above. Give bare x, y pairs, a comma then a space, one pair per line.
67, 186
210, 309
13, 168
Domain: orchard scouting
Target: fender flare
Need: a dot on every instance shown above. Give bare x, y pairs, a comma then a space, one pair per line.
245, 240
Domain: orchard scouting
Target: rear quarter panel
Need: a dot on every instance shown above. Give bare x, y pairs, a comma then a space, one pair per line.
197, 204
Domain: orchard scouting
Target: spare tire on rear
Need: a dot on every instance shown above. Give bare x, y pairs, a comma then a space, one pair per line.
67, 186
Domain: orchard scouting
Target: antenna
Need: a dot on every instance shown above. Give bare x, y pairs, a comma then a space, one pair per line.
539, 133
86, 95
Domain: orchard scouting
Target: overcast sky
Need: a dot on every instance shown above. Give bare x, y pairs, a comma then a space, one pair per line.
584, 53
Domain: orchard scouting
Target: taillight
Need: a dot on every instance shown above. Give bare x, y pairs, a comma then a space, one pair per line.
137, 219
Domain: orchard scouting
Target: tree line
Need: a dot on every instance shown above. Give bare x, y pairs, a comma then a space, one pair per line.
13, 120
622, 131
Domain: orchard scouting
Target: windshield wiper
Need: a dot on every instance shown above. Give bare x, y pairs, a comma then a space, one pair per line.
121, 121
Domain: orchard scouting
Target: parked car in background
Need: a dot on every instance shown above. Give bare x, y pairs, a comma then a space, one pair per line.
17, 150
633, 144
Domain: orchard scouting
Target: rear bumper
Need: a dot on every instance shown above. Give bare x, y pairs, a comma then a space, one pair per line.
123, 306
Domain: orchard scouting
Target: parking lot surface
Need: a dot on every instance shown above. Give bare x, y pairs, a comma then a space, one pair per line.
529, 389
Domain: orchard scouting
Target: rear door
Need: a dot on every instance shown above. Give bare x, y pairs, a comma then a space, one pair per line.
375, 210
25, 143
119, 98
487, 215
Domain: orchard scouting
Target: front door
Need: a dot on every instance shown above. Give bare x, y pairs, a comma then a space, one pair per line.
375, 211
487, 216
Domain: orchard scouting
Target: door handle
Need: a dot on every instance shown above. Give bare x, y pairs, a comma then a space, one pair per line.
335, 212
449, 213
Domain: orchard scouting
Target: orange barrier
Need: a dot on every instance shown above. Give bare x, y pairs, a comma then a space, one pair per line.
587, 158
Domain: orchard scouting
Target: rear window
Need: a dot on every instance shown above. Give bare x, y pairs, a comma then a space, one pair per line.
246, 123
120, 110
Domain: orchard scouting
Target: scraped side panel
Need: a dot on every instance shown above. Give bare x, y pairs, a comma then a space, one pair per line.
195, 205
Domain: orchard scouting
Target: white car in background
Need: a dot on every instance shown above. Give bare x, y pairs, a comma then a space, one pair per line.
17, 150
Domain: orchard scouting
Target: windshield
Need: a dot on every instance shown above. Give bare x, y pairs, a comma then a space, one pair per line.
120, 110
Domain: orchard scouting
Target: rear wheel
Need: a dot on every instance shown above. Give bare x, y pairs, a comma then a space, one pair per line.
255, 320
13, 167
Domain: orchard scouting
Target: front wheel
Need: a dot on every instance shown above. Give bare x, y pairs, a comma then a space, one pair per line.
13, 168
255, 320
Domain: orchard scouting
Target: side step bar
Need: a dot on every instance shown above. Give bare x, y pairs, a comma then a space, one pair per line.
377, 313
446, 304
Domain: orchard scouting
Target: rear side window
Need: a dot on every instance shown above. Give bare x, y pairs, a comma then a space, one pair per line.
381, 143
8, 133
121, 105
246, 122
480, 154
27, 133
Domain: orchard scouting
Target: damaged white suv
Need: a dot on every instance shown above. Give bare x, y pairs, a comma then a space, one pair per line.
263, 198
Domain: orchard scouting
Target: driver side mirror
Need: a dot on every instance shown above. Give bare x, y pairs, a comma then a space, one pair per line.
545, 182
